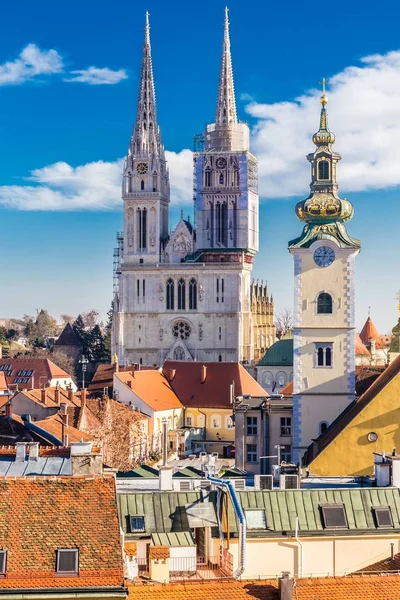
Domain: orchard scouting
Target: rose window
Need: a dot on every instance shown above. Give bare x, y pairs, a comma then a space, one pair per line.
181, 330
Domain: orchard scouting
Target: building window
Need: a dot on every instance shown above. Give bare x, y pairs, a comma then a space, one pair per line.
281, 378
67, 560
221, 215
220, 289
229, 423
141, 228
251, 452
138, 288
334, 516
3, 562
286, 426
142, 185
251, 425
179, 353
154, 182
324, 354
324, 304
170, 294
383, 517
181, 295
215, 422
323, 169
144, 288
255, 519
189, 422
219, 357
207, 179
220, 333
323, 427
136, 524
181, 330
286, 454
192, 294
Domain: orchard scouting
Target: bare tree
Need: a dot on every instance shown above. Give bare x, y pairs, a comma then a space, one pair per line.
67, 319
90, 318
283, 322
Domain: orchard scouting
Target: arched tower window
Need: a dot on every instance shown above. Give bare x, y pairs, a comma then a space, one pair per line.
170, 289
221, 178
328, 357
141, 228
323, 169
142, 185
320, 357
192, 294
181, 294
324, 304
154, 182
207, 178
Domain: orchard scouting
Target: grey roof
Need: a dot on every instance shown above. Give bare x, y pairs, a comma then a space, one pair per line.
180, 538
164, 512
282, 506
44, 465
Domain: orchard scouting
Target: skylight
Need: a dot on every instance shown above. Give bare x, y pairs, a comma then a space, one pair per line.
255, 519
334, 516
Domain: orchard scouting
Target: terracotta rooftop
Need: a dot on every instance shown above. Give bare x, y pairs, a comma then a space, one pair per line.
53, 396
39, 516
186, 378
287, 390
53, 425
103, 377
3, 382
386, 565
369, 331
30, 372
152, 387
360, 348
330, 588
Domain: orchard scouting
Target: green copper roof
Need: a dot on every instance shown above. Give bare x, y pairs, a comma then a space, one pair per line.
279, 355
142, 471
181, 538
336, 232
395, 344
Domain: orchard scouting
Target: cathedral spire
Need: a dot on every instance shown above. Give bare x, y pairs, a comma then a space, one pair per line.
226, 105
146, 137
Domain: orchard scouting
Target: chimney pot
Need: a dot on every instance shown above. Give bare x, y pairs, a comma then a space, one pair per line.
286, 586
43, 395
83, 397
203, 373
57, 395
129, 383
70, 394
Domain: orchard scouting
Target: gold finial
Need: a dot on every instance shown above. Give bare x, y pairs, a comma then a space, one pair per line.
324, 97
114, 359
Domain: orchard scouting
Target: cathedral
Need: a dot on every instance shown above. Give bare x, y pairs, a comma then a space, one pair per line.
188, 295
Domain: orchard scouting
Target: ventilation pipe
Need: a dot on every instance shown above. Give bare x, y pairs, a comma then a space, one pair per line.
165, 472
203, 373
241, 518
296, 535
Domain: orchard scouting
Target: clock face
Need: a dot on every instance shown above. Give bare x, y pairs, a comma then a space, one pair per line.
324, 256
142, 168
221, 163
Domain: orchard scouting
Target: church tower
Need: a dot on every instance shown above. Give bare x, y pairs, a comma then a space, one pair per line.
324, 312
145, 187
226, 184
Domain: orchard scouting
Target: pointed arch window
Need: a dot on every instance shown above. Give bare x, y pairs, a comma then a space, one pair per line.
221, 178
320, 357
192, 294
142, 185
323, 170
154, 182
179, 353
324, 304
141, 228
181, 294
207, 178
170, 292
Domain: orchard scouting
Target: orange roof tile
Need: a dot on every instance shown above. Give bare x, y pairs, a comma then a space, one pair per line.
360, 348
103, 377
44, 370
214, 392
151, 387
369, 331
3, 382
38, 516
53, 396
387, 565
53, 425
159, 552
287, 390
368, 587
130, 548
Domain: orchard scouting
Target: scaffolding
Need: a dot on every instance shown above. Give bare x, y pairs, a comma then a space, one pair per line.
118, 253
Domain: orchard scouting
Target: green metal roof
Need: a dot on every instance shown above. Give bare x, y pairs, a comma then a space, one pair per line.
282, 506
164, 512
181, 538
279, 354
188, 472
142, 471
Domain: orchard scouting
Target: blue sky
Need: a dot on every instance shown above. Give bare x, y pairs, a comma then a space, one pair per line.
60, 206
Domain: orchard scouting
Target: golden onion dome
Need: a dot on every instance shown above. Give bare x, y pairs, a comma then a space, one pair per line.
323, 136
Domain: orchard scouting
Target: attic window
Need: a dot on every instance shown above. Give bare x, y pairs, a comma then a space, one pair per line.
255, 519
334, 516
3, 562
67, 561
136, 524
383, 517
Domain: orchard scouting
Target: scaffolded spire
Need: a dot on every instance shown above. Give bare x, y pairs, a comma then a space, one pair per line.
226, 105
146, 136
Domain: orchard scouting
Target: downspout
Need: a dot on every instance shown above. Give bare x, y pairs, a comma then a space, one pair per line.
242, 522
300, 561
205, 423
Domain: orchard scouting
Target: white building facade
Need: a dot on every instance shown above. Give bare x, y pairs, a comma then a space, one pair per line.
324, 304
186, 296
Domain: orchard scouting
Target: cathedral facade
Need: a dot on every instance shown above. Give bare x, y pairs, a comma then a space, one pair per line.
188, 295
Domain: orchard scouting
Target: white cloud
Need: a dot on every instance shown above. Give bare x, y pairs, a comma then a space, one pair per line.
95, 76
181, 176
364, 114
31, 63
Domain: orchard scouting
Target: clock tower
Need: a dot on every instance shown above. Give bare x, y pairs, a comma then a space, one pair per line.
324, 315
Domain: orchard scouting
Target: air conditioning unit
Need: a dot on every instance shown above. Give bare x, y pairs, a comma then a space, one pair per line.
289, 482
239, 484
215, 454
205, 484
263, 482
185, 486
192, 456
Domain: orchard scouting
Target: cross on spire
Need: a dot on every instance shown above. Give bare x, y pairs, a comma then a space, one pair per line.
323, 82
226, 105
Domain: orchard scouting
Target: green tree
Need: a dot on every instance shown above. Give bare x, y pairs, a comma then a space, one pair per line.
96, 345
108, 328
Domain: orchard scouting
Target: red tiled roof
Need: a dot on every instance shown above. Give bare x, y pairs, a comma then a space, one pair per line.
38, 516
44, 370
103, 377
214, 392
53, 396
369, 587
152, 387
288, 389
360, 348
386, 565
369, 331
3, 382
53, 425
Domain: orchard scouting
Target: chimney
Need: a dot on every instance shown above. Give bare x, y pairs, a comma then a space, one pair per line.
83, 398
285, 586
129, 382
84, 460
20, 451
57, 395
203, 373
43, 395
165, 472
70, 394
33, 451
8, 408
172, 373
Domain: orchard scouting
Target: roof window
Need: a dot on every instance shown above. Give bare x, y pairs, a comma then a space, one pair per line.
383, 517
255, 519
136, 524
3, 562
334, 516
67, 561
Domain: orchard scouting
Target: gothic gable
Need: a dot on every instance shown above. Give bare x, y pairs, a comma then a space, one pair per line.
180, 243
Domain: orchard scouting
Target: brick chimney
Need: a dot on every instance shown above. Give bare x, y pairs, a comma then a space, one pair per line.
8, 408
203, 376
83, 398
285, 586
57, 395
70, 394
43, 395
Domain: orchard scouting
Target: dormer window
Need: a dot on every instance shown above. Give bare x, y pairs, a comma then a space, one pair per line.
68, 561
3, 563
323, 170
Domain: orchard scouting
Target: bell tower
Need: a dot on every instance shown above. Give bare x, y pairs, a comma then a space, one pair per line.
145, 186
324, 311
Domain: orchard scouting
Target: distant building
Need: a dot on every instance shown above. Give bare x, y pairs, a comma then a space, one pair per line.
69, 342
29, 373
